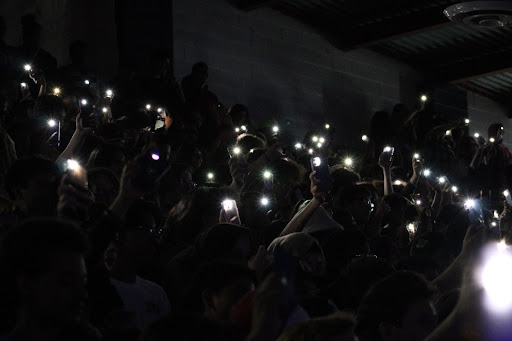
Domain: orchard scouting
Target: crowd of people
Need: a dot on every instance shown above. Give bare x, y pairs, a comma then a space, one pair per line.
143, 208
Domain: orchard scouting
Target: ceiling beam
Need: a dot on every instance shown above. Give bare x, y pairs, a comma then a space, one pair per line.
249, 5
353, 37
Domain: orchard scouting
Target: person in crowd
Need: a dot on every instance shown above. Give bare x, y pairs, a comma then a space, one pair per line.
202, 223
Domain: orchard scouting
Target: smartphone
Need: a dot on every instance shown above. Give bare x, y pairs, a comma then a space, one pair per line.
321, 167
54, 132
474, 209
231, 210
86, 111
77, 173
268, 183
390, 151
508, 197
153, 166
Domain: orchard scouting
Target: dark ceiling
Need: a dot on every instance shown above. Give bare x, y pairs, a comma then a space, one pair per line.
415, 32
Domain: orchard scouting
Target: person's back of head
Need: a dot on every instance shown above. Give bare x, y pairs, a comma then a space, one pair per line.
189, 327
399, 307
44, 272
321, 329
342, 177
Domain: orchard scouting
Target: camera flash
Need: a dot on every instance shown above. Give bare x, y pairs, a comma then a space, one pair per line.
52, 123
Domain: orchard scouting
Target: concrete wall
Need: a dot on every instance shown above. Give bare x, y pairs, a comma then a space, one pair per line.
282, 69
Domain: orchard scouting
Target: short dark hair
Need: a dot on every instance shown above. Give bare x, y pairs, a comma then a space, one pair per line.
388, 301
342, 178
25, 169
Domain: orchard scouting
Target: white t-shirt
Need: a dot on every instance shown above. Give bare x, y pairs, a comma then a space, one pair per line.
147, 301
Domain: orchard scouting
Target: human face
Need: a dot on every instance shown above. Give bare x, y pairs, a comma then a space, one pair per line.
57, 297
228, 296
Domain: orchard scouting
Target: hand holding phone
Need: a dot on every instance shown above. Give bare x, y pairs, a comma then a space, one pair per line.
320, 166
229, 213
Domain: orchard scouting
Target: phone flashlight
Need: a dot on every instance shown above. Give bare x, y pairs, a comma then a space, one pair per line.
109, 93
469, 204
267, 174
398, 182
155, 156
411, 228
27, 67
244, 128
477, 135
56, 91
237, 130
317, 161
264, 201
494, 224
427, 173
237, 151
424, 98
159, 110
321, 140
319, 145
365, 138
72, 165
148, 106
311, 151
327, 126
298, 145
24, 85
275, 129
492, 140
448, 133
455, 189
416, 156
388, 149
467, 121
105, 110
227, 205
496, 215
442, 179
348, 161
52, 123
314, 138
210, 176
506, 193
418, 202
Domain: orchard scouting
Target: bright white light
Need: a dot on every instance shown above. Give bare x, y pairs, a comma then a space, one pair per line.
319, 145
424, 98
469, 204
237, 130
237, 150
275, 129
416, 156
348, 161
418, 202
83, 101
314, 138
455, 189
364, 138
442, 179
496, 215
52, 123
310, 151
159, 110
227, 205
23, 85
467, 121
264, 201
448, 133
411, 228
155, 156
398, 182
56, 91
244, 128
298, 145
104, 109
494, 224
73, 165
496, 279
27, 67
387, 149
477, 135
492, 140
267, 174
327, 126
317, 161
427, 173
87, 82
321, 140
109, 93
148, 106
506, 192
